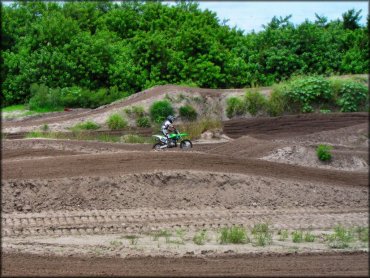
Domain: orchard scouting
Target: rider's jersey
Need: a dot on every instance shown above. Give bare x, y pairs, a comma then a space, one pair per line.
166, 125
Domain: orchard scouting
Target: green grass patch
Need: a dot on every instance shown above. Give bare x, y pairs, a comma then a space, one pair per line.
188, 113
195, 129
76, 135
262, 234
324, 152
116, 121
283, 235
234, 235
88, 125
200, 237
297, 236
161, 233
362, 233
235, 106
137, 139
341, 238
255, 102
309, 237
13, 108
160, 110
143, 121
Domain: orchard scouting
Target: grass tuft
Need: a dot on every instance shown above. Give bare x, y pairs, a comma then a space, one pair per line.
234, 235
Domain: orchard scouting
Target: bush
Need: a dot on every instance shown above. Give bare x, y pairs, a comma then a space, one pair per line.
188, 112
235, 107
353, 97
116, 121
143, 122
195, 129
235, 235
43, 98
255, 102
159, 110
323, 152
262, 234
341, 238
297, 236
82, 97
307, 91
277, 104
88, 125
200, 238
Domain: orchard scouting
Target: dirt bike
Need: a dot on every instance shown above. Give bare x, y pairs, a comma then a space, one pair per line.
173, 140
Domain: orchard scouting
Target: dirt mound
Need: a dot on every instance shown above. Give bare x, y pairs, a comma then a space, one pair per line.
244, 147
170, 190
292, 125
140, 162
70, 117
306, 156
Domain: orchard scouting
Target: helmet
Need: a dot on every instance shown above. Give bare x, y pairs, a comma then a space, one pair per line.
171, 118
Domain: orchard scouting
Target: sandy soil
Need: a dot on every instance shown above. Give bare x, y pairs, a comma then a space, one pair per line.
68, 202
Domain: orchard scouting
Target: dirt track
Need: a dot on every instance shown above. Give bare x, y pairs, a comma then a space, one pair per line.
290, 265
65, 191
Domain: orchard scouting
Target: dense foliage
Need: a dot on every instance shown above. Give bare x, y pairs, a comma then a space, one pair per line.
160, 110
135, 45
303, 94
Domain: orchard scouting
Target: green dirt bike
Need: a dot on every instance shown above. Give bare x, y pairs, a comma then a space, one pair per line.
173, 139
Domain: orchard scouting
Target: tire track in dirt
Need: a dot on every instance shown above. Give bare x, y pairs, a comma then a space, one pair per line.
343, 264
138, 162
141, 220
292, 125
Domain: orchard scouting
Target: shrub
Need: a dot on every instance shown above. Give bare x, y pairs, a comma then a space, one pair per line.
255, 102
143, 122
88, 125
43, 98
308, 237
188, 112
195, 129
340, 239
283, 235
262, 234
235, 107
353, 97
277, 103
323, 152
306, 91
297, 236
363, 233
235, 235
159, 110
200, 238
116, 121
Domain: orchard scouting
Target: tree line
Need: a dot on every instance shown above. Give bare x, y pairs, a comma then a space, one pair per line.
131, 46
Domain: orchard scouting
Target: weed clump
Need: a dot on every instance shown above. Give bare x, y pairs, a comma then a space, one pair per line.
116, 121
200, 238
255, 102
341, 238
160, 110
235, 235
235, 107
88, 125
262, 234
188, 113
323, 152
143, 121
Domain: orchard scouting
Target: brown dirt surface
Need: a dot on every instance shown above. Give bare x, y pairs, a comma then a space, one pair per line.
292, 125
81, 199
282, 265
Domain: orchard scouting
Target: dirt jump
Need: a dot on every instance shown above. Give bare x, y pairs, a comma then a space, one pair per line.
81, 208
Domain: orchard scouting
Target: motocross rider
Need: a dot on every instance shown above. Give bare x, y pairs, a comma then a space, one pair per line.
167, 125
